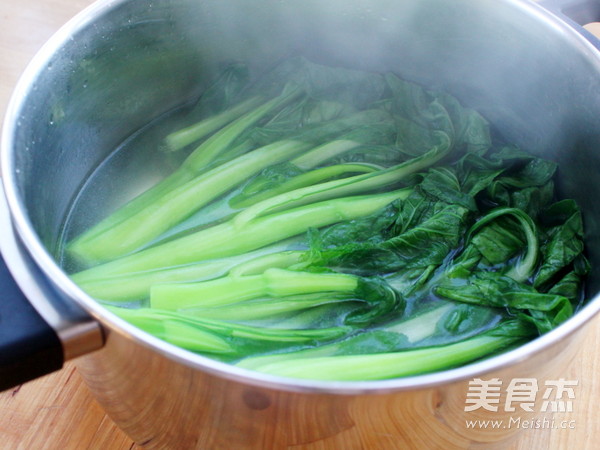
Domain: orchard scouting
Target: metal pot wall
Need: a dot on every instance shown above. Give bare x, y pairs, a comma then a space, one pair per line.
121, 63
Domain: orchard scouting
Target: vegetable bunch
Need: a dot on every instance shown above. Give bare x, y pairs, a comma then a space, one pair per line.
341, 225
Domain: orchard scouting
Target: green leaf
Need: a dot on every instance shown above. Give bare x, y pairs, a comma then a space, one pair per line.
223, 93
565, 242
546, 311
381, 300
494, 250
442, 184
467, 130
352, 87
420, 245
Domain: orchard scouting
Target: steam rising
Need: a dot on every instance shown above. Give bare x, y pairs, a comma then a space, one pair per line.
480, 53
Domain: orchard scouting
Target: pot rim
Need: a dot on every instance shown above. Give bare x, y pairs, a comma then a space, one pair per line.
72, 292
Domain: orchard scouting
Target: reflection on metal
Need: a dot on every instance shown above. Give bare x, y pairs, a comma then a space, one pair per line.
77, 331
171, 405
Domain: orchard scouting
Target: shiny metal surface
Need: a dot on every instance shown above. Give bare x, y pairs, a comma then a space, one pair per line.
164, 404
122, 62
79, 333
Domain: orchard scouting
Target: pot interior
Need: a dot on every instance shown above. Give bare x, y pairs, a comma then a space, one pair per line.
102, 81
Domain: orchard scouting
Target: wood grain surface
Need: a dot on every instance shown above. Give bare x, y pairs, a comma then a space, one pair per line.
58, 412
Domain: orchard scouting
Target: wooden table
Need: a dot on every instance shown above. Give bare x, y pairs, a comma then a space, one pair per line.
58, 412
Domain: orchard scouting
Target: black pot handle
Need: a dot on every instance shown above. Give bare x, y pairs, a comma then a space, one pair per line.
39, 327
29, 347
576, 13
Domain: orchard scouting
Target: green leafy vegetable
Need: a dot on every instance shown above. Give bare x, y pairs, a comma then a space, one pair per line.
227, 239
336, 224
380, 366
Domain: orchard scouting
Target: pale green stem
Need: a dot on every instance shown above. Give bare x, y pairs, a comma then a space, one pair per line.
226, 240
190, 134
227, 290
149, 223
358, 184
389, 365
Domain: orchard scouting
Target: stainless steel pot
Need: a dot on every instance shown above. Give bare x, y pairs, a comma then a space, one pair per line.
120, 63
